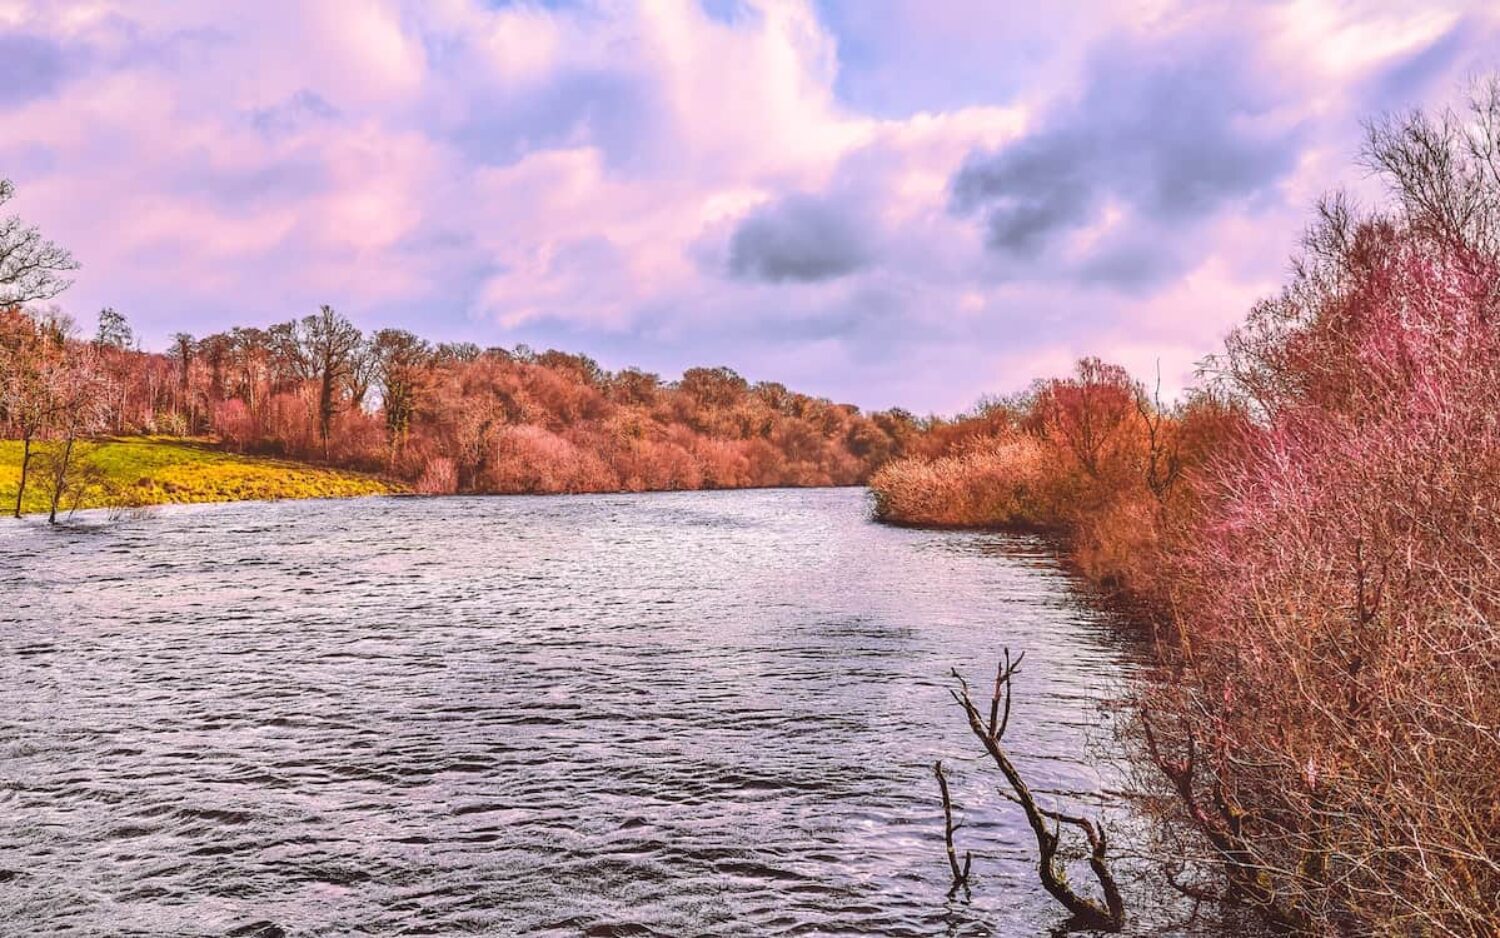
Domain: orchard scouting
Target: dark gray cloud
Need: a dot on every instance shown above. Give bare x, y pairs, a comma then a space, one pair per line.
303, 108
1168, 136
31, 67
797, 238
617, 110
1465, 48
1028, 191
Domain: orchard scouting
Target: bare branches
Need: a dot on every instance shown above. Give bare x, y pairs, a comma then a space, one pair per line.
1163, 460
1220, 826
1088, 912
1003, 673
1444, 170
31, 267
960, 873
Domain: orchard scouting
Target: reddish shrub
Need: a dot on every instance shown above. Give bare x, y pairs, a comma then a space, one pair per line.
234, 424
438, 477
1337, 600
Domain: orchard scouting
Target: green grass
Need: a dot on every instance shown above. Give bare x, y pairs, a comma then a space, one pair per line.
135, 471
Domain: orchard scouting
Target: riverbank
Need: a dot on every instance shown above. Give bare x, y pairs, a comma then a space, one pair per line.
142, 471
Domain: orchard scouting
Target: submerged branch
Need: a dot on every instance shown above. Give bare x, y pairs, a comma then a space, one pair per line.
960, 874
1088, 912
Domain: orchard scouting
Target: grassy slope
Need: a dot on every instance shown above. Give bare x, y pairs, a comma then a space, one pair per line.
159, 470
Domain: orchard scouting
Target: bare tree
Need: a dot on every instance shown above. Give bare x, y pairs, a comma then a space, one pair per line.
363, 371
323, 351
31, 267
31, 382
400, 358
184, 349
286, 368
1444, 170
1163, 460
248, 351
81, 395
114, 330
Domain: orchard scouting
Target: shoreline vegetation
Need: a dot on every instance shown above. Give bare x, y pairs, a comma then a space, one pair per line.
444, 419
134, 472
1314, 532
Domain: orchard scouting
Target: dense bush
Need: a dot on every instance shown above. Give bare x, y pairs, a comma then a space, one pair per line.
1092, 457
991, 483
1336, 604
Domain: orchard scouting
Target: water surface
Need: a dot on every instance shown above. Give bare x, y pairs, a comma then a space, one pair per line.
694, 713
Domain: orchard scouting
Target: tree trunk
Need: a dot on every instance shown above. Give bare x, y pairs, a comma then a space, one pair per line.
325, 409
25, 464
60, 480
1086, 911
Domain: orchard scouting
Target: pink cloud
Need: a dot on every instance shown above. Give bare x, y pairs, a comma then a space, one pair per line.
583, 174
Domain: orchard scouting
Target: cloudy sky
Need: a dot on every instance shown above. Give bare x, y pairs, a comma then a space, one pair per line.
887, 202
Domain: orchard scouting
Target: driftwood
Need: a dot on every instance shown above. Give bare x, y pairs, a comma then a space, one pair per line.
1086, 912
960, 873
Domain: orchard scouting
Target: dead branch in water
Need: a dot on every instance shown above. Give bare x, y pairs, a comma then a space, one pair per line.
1110, 915
960, 874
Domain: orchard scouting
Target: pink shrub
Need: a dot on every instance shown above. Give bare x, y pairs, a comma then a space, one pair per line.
1337, 601
438, 477
234, 424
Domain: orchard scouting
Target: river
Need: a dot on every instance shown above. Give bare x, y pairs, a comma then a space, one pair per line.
684, 713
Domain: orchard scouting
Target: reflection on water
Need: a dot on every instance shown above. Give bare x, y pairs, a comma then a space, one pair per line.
697, 713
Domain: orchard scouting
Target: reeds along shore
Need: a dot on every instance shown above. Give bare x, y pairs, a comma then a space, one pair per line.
1317, 532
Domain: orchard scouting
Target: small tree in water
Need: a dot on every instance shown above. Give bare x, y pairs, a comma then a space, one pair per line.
81, 395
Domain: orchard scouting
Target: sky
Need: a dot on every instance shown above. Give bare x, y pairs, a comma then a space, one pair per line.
886, 202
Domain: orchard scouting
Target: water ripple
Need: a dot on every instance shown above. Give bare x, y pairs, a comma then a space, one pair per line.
698, 713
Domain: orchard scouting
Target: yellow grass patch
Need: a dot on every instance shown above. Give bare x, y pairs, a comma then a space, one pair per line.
134, 471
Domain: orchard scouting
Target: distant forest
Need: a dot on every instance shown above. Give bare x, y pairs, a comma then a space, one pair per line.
442, 417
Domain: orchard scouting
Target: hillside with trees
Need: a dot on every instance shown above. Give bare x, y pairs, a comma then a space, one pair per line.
443, 418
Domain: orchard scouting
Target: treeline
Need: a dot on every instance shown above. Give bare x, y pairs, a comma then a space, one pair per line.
446, 418
1316, 533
